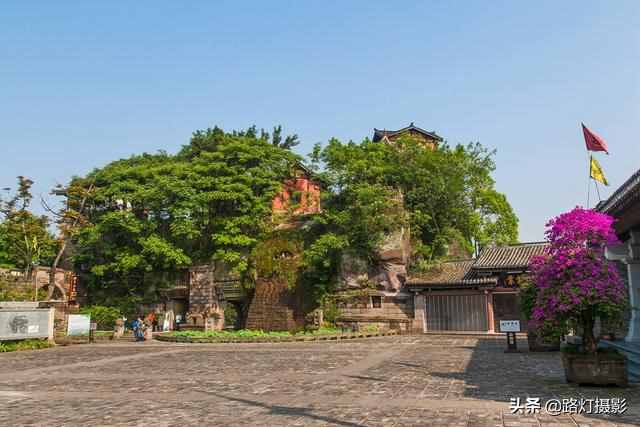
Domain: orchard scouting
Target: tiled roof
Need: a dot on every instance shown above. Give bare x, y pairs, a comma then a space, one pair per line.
378, 134
449, 273
622, 196
509, 257
481, 271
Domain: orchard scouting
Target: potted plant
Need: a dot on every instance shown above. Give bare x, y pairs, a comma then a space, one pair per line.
536, 339
575, 285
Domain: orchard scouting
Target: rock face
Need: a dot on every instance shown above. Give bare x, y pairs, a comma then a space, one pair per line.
370, 295
388, 273
354, 271
393, 256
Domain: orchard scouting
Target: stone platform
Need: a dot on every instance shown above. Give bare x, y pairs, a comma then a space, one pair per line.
632, 351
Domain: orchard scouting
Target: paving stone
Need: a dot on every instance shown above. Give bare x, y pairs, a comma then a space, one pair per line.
391, 381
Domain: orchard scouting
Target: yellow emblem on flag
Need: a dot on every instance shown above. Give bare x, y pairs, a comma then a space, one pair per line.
596, 172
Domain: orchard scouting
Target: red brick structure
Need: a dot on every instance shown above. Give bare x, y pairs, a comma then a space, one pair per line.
300, 195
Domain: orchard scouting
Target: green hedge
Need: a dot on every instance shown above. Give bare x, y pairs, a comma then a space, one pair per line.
7, 346
248, 333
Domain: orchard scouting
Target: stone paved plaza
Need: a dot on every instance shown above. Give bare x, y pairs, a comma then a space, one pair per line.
392, 381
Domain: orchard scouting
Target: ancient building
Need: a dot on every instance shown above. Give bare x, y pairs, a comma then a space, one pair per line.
461, 296
430, 140
473, 295
300, 195
200, 296
624, 205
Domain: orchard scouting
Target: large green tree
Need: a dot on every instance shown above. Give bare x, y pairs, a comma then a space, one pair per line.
448, 192
149, 216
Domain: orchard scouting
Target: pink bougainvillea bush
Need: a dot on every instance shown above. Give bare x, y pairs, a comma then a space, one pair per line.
575, 282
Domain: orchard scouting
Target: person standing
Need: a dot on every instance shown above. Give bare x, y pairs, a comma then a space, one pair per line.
138, 331
154, 322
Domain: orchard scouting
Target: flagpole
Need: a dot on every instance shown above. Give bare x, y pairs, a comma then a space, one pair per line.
597, 190
589, 183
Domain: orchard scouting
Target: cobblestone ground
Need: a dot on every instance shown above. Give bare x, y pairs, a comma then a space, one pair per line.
392, 381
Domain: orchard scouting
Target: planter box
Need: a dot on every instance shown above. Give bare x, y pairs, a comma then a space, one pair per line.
538, 343
599, 369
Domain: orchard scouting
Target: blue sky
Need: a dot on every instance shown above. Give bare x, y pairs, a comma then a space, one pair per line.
85, 83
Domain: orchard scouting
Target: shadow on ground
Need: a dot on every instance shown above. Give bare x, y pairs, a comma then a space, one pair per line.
492, 374
291, 411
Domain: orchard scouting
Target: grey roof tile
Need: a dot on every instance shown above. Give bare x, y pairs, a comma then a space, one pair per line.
509, 257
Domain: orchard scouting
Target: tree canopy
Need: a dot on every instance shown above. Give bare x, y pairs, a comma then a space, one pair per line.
448, 192
152, 215
575, 282
160, 213
25, 240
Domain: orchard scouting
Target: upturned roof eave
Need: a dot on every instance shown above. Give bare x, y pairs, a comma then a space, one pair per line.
622, 196
378, 134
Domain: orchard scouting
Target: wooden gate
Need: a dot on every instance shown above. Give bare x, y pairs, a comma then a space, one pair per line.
456, 313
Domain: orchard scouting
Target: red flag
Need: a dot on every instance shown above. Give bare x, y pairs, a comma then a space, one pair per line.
594, 141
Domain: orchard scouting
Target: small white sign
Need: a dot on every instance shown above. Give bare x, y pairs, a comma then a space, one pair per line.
33, 329
509, 326
78, 324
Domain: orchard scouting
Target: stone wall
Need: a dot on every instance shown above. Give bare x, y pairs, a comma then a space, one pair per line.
206, 299
395, 312
40, 276
274, 308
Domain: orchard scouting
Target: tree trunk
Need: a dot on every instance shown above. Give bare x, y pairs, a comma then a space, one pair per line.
54, 267
588, 339
54, 270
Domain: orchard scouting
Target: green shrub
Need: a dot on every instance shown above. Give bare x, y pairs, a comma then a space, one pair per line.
369, 328
528, 295
330, 309
249, 333
105, 317
7, 346
230, 315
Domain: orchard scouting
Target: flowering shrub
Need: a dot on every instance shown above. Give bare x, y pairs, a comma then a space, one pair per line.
575, 282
